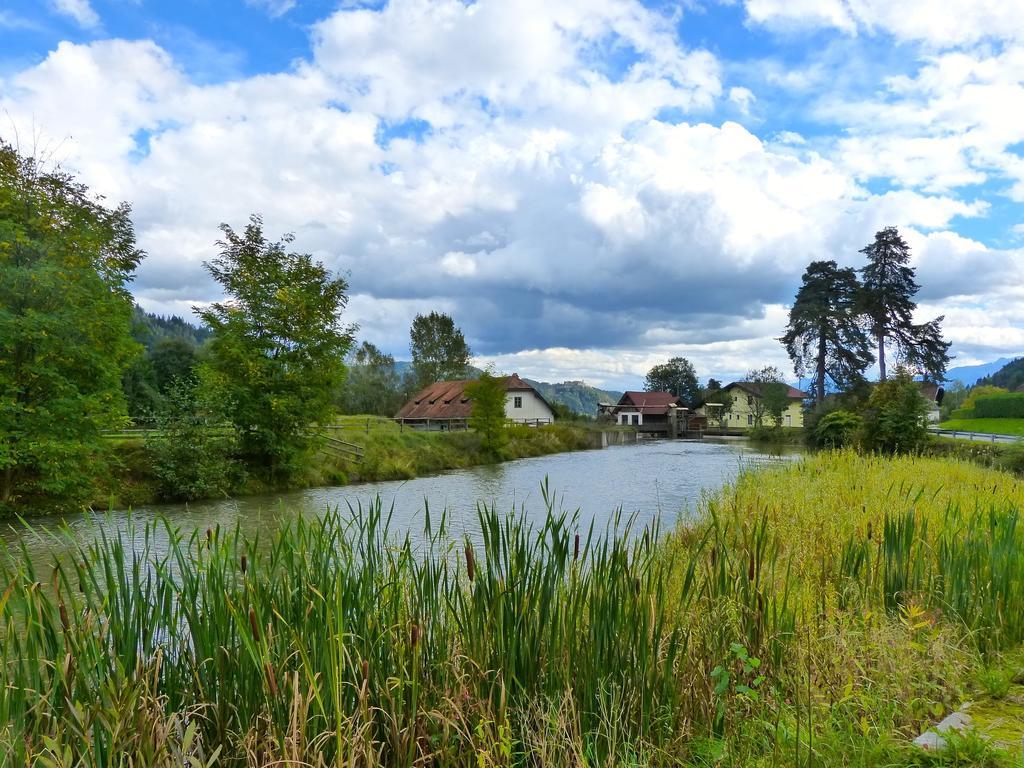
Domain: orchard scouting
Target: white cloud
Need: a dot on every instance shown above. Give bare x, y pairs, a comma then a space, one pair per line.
78, 10
274, 8
945, 23
570, 231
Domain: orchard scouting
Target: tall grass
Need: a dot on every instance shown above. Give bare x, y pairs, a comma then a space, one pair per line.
812, 614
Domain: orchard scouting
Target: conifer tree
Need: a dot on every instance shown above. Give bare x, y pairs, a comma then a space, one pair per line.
887, 300
826, 334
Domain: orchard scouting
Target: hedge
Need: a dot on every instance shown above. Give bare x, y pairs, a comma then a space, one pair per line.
1007, 406
963, 413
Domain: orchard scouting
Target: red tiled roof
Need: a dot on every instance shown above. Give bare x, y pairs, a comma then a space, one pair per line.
447, 399
647, 402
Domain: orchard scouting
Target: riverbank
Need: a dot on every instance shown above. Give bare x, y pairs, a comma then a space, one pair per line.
388, 452
817, 612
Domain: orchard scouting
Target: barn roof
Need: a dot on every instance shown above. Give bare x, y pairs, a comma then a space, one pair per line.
448, 400
651, 403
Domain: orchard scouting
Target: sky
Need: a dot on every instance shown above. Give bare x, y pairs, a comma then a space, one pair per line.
588, 187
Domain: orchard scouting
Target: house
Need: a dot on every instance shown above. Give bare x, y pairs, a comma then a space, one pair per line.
933, 394
650, 412
445, 403
746, 397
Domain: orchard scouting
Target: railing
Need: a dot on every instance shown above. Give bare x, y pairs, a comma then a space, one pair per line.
962, 434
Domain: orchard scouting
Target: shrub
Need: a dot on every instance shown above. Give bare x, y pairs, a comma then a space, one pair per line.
1009, 405
192, 451
895, 418
837, 429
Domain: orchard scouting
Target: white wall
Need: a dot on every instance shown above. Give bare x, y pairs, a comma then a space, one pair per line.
533, 407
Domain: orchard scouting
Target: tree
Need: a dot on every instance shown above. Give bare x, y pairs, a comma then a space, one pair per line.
65, 330
772, 398
277, 350
717, 402
676, 376
174, 361
887, 299
372, 385
895, 419
826, 334
487, 416
439, 350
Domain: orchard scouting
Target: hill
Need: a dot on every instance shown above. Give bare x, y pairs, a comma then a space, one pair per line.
575, 395
969, 375
1010, 376
148, 329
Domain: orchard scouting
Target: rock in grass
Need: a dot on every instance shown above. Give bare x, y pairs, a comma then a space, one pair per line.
933, 738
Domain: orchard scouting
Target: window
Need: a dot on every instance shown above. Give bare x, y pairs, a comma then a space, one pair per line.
789, 420
636, 419
750, 419
750, 400
517, 402
625, 418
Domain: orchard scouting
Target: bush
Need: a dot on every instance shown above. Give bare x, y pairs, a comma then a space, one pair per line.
1003, 406
963, 413
837, 429
894, 421
192, 451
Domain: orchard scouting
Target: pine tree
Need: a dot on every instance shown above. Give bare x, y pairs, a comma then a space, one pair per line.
887, 300
826, 334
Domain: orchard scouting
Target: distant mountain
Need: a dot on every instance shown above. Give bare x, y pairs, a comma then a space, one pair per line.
578, 396
1009, 376
969, 375
148, 329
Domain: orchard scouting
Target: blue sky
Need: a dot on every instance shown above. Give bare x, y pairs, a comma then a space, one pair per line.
587, 186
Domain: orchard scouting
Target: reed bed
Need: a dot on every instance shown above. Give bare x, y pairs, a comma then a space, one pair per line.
814, 614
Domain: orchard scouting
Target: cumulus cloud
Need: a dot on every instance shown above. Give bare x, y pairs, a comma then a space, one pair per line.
486, 160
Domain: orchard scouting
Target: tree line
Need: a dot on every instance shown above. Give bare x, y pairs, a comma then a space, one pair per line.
242, 396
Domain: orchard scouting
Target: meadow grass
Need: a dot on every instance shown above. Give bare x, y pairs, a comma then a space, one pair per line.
817, 613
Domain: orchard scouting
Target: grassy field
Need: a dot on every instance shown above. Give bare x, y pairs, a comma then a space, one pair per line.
992, 426
820, 613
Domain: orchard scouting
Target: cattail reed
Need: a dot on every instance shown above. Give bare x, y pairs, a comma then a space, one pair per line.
243, 564
414, 635
576, 547
470, 563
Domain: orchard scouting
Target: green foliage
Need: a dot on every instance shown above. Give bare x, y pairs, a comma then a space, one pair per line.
1009, 405
149, 329
277, 347
1009, 377
579, 398
723, 401
192, 449
487, 417
439, 350
771, 396
895, 418
962, 413
677, 376
980, 390
65, 311
826, 337
837, 429
372, 384
887, 300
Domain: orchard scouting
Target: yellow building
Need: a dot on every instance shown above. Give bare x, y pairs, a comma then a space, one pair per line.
746, 406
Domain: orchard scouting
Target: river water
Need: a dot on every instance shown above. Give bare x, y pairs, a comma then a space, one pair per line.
654, 479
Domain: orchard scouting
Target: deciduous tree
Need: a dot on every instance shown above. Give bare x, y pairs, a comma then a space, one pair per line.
439, 350
277, 350
65, 329
372, 385
772, 397
677, 376
826, 333
487, 417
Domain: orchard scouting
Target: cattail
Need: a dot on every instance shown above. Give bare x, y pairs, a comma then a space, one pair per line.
636, 586
254, 625
470, 563
209, 534
750, 568
366, 670
64, 621
712, 557
271, 678
244, 563
760, 603
869, 530
414, 635
576, 548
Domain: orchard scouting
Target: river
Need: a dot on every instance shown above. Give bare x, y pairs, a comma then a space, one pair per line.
654, 479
